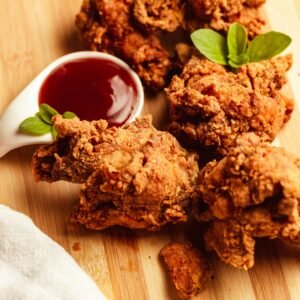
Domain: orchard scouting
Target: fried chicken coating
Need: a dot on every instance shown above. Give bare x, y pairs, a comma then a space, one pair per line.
106, 25
253, 192
204, 8
126, 28
134, 176
220, 14
74, 156
158, 14
93, 29
210, 106
188, 268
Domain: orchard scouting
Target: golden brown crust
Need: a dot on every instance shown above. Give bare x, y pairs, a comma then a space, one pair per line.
135, 176
93, 29
205, 8
73, 156
253, 192
211, 106
106, 25
126, 28
220, 14
158, 14
233, 244
188, 269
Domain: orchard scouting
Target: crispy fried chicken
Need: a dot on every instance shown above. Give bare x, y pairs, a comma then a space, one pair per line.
106, 25
211, 106
135, 176
219, 14
158, 14
188, 268
126, 28
253, 192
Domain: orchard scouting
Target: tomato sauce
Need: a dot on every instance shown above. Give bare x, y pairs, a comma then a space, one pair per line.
91, 88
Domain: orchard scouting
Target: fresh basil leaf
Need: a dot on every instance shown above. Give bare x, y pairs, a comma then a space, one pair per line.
234, 65
69, 115
42, 123
45, 117
237, 39
238, 61
211, 44
54, 132
267, 45
47, 109
34, 126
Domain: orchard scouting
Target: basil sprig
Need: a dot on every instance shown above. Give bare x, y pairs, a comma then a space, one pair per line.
42, 123
233, 51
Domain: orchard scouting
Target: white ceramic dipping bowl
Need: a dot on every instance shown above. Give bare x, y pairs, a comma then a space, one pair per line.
26, 103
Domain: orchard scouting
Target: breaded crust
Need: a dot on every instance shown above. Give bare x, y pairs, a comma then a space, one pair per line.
134, 176
210, 107
253, 192
187, 267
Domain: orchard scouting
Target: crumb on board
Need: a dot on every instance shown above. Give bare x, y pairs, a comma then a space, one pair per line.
76, 246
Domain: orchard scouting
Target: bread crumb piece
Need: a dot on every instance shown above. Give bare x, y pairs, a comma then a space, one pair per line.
76, 246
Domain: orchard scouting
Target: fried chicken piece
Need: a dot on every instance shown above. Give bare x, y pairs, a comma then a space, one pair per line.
187, 267
134, 176
112, 26
147, 58
253, 192
233, 244
210, 106
158, 14
220, 14
204, 8
106, 25
74, 156
92, 28
234, 239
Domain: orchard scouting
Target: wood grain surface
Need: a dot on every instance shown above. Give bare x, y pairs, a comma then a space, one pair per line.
125, 263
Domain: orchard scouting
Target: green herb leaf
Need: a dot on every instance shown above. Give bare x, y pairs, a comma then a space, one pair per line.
47, 109
211, 44
34, 126
238, 61
237, 39
46, 113
267, 45
42, 123
234, 51
69, 115
45, 117
54, 132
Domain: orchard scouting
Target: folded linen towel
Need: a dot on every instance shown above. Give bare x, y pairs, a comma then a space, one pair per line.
32, 266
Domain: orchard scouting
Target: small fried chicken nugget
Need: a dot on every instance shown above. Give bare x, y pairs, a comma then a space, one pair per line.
188, 269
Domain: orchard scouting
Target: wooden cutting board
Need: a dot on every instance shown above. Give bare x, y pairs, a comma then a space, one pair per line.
125, 263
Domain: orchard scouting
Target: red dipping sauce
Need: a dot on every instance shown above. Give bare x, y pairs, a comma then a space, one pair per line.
93, 89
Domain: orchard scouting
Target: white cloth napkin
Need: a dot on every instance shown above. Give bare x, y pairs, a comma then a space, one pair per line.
32, 266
